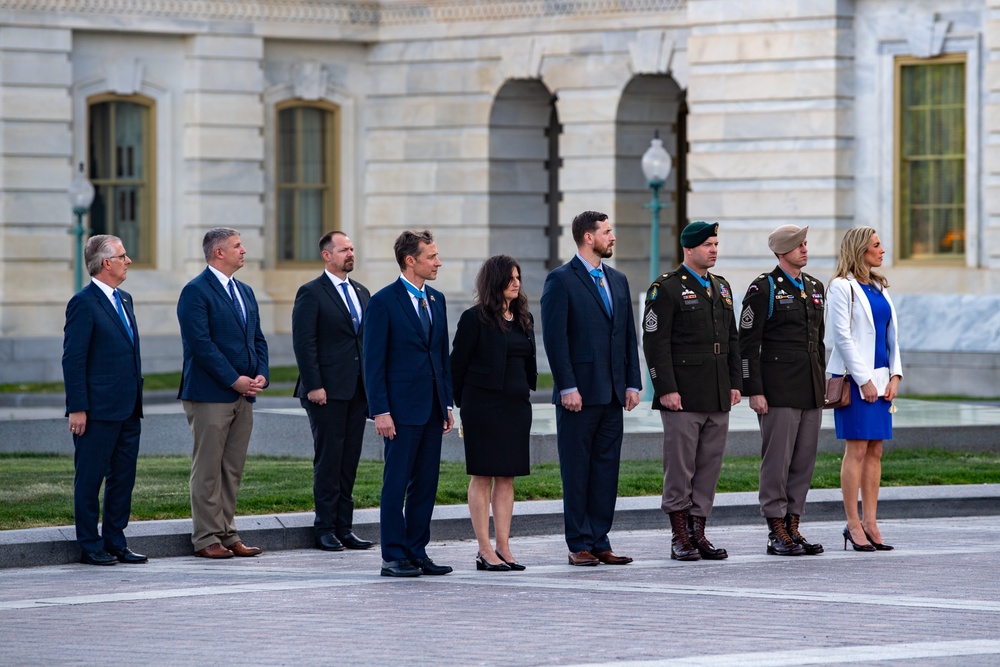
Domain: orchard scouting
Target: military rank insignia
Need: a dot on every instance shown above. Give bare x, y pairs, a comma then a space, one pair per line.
746, 320
650, 321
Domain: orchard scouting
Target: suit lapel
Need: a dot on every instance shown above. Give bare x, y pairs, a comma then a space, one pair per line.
337, 297
112, 312
583, 273
411, 314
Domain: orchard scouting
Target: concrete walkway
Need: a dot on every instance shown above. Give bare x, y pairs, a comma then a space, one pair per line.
932, 602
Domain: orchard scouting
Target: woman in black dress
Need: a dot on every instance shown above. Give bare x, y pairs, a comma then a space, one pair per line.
493, 371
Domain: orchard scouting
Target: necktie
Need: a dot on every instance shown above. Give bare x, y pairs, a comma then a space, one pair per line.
599, 279
121, 314
425, 318
355, 320
236, 302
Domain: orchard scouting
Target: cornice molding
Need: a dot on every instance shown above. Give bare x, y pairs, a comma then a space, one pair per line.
350, 13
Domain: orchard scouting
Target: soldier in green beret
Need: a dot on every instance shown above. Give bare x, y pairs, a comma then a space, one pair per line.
690, 342
781, 343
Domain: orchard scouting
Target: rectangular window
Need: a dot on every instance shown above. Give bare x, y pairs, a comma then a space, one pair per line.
307, 187
931, 164
120, 137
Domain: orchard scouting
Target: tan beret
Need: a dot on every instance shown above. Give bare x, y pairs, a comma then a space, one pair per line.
786, 238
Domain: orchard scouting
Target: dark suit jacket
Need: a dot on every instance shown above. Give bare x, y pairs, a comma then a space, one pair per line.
587, 349
327, 349
402, 369
218, 349
479, 355
102, 368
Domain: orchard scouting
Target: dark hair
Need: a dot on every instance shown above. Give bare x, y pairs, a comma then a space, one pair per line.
408, 245
493, 278
326, 241
586, 222
214, 238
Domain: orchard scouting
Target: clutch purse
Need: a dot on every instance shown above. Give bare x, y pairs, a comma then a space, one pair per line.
838, 392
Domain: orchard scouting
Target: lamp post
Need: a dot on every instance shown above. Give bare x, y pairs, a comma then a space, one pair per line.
81, 196
656, 163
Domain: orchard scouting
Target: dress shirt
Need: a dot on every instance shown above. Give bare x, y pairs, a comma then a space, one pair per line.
415, 301
350, 289
225, 280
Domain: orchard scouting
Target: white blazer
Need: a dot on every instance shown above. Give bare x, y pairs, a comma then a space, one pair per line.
852, 339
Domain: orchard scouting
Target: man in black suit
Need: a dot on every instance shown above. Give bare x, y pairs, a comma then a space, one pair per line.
590, 339
327, 329
690, 342
102, 371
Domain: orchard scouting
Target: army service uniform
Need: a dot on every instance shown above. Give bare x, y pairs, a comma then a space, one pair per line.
783, 357
690, 343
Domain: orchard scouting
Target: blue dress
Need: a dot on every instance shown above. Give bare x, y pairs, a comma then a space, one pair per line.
862, 420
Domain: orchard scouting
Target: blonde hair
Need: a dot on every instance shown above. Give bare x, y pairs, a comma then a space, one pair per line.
851, 259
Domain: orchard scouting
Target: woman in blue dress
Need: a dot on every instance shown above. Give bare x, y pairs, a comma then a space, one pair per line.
861, 325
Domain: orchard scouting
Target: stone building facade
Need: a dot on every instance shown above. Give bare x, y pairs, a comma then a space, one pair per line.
493, 122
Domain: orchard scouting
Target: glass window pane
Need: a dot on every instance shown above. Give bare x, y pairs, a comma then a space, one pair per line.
286, 224
100, 144
310, 222
312, 146
932, 159
286, 145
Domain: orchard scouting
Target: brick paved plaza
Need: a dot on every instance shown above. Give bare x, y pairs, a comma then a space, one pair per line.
935, 600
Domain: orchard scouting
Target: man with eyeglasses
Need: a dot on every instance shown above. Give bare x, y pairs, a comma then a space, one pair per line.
102, 372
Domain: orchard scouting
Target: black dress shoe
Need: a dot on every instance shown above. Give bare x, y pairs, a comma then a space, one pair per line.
99, 557
427, 566
352, 541
399, 568
126, 555
328, 543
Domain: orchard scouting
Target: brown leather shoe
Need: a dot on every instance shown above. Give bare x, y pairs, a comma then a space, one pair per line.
241, 549
582, 558
609, 558
214, 551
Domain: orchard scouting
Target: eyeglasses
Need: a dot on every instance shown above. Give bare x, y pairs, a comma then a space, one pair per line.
121, 256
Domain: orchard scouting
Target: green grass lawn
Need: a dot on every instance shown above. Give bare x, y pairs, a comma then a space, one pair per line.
37, 490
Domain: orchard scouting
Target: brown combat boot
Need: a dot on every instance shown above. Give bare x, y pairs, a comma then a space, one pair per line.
696, 529
792, 526
680, 545
779, 542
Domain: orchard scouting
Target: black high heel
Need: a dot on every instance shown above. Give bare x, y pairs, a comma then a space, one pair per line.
514, 565
878, 547
481, 564
857, 547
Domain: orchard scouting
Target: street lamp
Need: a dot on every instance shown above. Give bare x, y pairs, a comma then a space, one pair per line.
656, 163
81, 196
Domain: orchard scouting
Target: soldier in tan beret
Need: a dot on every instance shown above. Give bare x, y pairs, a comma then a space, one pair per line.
781, 345
690, 341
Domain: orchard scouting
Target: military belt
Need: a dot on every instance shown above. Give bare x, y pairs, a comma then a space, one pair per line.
717, 348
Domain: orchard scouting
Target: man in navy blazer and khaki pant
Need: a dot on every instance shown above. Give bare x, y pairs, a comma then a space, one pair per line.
225, 367
327, 329
590, 339
408, 378
102, 371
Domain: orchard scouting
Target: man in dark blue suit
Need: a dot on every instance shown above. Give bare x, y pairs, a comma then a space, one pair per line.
590, 340
408, 376
102, 371
225, 367
327, 330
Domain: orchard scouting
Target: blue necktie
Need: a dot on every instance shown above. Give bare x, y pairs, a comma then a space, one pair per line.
121, 314
355, 320
236, 302
425, 318
599, 279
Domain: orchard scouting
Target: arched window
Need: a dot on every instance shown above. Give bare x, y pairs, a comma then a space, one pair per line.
307, 177
120, 146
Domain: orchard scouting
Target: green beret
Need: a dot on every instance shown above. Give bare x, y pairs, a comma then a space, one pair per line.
695, 233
